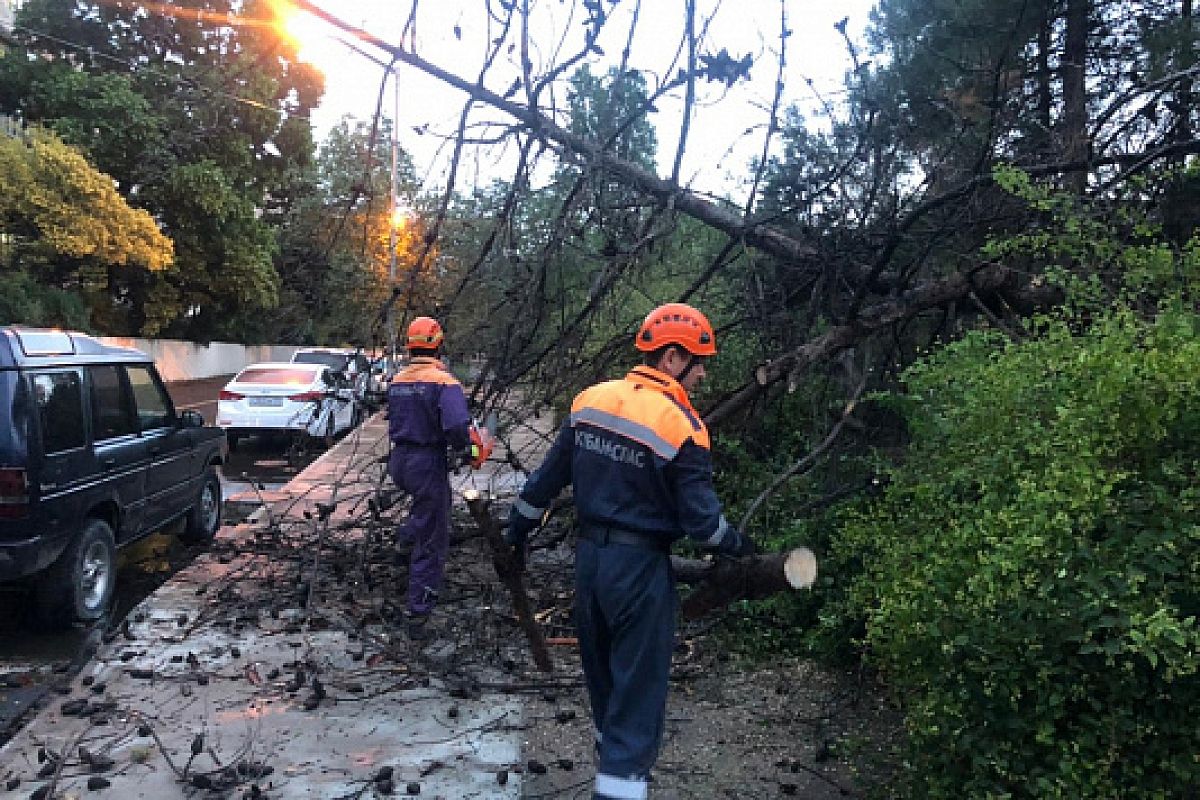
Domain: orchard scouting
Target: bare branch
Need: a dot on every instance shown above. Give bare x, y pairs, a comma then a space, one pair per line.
809, 459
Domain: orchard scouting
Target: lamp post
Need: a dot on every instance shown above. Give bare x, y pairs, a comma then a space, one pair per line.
393, 220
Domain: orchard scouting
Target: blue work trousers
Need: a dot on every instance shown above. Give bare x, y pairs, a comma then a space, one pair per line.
422, 473
625, 608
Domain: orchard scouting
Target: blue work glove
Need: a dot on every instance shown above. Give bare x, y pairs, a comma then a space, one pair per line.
738, 545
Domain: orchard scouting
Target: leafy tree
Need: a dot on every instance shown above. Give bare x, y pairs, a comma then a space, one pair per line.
70, 230
1027, 579
335, 261
1030, 583
29, 302
611, 110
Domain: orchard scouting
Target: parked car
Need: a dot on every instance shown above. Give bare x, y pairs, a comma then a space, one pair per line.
351, 363
283, 397
93, 456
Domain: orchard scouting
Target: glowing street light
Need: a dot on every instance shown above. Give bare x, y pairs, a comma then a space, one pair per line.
401, 216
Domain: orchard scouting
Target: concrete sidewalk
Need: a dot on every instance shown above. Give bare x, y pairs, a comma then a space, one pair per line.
252, 673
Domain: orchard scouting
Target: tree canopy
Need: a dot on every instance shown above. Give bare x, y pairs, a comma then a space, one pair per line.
66, 225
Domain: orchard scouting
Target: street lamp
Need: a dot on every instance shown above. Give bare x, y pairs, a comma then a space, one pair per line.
395, 218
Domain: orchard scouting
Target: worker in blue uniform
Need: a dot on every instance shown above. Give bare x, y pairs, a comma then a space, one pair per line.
428, 421
637, 455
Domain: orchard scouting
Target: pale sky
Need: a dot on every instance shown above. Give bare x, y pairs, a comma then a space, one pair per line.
718, 147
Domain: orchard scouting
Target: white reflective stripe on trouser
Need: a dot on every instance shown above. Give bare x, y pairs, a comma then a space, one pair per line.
621, 788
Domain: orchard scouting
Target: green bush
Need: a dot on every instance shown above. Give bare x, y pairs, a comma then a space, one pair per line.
24, 301
1031, 578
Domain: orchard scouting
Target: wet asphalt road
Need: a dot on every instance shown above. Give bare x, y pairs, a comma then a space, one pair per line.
33, 659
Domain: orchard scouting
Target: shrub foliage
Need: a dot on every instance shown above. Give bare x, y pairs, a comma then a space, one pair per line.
1031, 578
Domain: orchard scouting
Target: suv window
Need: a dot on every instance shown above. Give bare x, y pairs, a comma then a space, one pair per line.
59, 398
153, 405
112, 413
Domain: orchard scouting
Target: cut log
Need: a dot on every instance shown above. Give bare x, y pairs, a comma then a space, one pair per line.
725, 580
510, 576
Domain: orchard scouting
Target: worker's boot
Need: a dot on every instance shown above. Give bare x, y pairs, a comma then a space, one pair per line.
417, 626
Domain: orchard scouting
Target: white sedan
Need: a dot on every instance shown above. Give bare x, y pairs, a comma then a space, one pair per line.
310, 399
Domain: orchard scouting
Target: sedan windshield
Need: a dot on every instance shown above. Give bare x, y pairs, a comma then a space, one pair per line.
280, 376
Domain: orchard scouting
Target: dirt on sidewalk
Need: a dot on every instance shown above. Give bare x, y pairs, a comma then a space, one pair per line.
785, 728
734, 729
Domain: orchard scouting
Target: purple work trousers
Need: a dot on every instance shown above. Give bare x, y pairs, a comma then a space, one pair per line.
422, 473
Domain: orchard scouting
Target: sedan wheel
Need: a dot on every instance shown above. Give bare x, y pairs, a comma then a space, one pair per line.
330, 432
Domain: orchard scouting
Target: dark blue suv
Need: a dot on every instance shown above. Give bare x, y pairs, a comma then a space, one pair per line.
92, 457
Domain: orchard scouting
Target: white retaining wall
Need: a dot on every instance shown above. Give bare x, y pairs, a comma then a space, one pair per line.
182, 361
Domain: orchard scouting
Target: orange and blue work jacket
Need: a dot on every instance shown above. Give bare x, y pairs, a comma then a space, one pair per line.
427, 407
638, 456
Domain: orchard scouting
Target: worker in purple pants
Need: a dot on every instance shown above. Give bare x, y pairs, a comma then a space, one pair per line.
427, 420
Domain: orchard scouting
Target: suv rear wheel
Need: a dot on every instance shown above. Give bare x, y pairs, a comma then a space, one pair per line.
79, 585
204, 519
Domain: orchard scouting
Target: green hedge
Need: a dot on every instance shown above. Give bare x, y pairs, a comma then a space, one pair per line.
1031, 578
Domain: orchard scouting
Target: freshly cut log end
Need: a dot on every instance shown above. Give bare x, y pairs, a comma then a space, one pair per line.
800, 568
722, 582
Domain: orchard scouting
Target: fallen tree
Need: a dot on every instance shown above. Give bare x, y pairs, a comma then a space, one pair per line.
718, 582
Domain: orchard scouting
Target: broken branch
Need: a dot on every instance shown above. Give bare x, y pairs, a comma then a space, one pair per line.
511, 577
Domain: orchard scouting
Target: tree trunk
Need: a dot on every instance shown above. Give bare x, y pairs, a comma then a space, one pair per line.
726, 579
1074, 78
1045, 95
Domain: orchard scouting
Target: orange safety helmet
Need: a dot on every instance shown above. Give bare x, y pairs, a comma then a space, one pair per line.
677, 323
424, 333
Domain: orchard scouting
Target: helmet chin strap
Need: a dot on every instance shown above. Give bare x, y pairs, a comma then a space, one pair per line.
693, 360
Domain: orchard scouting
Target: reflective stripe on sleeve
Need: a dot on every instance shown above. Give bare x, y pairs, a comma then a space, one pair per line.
527, 511
722, 532
621, 788
628, 428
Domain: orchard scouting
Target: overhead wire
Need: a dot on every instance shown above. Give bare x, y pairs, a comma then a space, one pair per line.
135, 67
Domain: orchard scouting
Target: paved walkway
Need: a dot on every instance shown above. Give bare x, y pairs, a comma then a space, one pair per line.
234, 679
